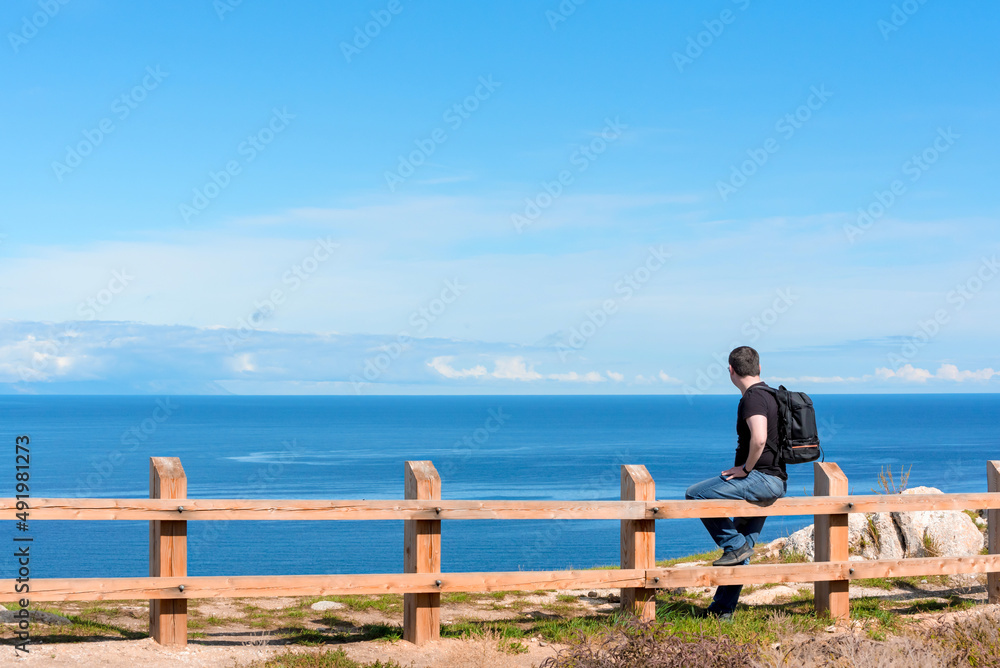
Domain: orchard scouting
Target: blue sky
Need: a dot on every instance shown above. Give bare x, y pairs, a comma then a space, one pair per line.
531, 197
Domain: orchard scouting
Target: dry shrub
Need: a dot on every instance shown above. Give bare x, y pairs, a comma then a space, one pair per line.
639, 645
975, 636
854, 650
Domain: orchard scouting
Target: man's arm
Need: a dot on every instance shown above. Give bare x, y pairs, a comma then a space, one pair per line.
758, 439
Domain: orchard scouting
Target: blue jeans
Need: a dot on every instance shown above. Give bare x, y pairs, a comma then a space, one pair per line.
732, 534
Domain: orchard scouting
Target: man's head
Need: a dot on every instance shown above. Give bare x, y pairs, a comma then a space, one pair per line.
744, 362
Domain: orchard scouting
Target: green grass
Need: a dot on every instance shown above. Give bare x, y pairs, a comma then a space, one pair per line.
387, 603
307, 637
84, 628
327, 659
552, 630
905, 582
952, 604
879, 620
511, 646
753, 625
877, 583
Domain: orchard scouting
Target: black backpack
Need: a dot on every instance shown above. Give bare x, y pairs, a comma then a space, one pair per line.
798, 438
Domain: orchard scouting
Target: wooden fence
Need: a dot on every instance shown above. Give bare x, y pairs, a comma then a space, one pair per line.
168, 586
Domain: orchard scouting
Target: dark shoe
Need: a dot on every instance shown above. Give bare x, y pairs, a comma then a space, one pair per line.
702, 613
708, 612
734, 557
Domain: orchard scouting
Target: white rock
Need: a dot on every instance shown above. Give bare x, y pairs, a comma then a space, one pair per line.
898, 535
882, 539
800, 542
952, 533
326, 605
857, 530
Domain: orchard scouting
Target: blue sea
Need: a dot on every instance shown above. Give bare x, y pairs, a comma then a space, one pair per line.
533, 447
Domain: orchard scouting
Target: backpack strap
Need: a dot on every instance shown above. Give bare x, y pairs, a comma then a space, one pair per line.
781, 399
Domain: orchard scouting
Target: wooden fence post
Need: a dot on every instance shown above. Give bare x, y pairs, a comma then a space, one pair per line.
830, 532
638, 542
167, 552
422, 554
993, 530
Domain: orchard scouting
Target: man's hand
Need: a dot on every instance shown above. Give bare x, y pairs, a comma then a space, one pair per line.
735, 472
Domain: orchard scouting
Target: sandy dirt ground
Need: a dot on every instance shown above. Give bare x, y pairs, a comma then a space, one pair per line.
135, 653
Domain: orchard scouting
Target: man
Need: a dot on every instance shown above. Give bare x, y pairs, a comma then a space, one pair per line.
758, 475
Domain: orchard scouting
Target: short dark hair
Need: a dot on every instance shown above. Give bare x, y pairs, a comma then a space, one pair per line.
745, 361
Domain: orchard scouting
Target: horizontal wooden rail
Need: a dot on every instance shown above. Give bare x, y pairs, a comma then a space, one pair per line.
450, 509
101, 589
821, 571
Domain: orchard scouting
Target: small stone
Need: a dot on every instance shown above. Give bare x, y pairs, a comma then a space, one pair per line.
707, 590
326, 605
592, 594
776, 645
542, 643
923, 582
831, 629
614, 598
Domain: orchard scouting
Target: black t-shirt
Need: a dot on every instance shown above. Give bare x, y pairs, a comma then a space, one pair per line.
759, 402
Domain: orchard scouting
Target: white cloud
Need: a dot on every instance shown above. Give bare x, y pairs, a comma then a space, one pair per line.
951, 372
243, 363
615, 376
910, 374
666, 378
820, 379
514, 368
443, 366
574, 377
